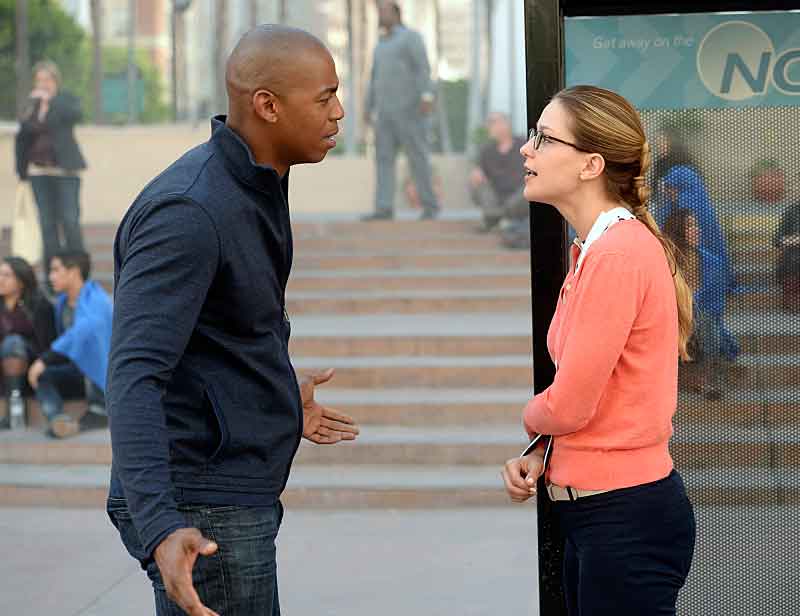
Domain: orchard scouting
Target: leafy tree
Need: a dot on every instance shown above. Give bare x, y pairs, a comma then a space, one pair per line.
53, 35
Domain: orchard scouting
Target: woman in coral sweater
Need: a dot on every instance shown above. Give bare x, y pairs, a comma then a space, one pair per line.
622, 322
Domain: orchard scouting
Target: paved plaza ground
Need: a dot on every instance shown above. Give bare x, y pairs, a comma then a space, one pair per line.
467, 562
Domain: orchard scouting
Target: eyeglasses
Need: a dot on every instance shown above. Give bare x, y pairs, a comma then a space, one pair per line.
538, 138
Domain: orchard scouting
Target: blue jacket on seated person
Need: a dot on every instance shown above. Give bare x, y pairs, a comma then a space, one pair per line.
87, 343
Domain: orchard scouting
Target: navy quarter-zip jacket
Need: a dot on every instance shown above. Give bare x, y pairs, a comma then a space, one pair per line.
203, 401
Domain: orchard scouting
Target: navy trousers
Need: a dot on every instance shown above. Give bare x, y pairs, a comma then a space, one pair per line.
627, 551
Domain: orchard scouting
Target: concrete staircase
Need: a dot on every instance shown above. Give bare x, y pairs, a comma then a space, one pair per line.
428, 327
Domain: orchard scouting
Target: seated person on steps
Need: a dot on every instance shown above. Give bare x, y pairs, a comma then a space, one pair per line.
787, 239
75, 364
27, 326
707, 277
496, 181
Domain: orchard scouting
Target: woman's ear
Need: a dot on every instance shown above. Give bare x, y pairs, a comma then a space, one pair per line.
594, 165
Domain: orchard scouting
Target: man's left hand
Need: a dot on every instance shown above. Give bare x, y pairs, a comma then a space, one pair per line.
322, 425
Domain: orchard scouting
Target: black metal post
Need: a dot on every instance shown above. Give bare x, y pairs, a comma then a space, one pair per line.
544, 56
173, 60
23, 59
132, 73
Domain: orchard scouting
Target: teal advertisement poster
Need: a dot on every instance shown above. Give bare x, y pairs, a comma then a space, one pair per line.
702, 60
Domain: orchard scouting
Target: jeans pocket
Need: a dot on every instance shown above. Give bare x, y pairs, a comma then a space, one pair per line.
120, 517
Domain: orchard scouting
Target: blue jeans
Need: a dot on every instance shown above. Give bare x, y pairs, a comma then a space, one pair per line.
57, 199
16, 347
61, 382
628, 551
708, 331
240, 578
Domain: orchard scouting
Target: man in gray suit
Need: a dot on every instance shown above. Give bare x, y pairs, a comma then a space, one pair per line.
401, 94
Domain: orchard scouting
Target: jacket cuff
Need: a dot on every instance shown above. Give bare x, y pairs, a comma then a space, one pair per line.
159, 529
51, 357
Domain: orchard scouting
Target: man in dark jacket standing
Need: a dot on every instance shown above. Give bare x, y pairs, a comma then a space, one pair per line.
48, 155
206, 412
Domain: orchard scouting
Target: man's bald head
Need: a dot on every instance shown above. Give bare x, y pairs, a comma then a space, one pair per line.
269, 57
389, 14
282, 96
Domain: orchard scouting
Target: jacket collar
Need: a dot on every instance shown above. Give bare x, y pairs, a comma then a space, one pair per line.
239, 160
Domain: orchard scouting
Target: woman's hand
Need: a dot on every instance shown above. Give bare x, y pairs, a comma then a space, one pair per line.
40, 93
34, 372
520, 476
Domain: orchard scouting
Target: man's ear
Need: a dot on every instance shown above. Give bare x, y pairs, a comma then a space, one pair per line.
593, 167
266, 105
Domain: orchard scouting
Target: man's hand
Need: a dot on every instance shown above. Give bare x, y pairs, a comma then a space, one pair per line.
322, 425
175, 557
476, 177
520, 475
35, 371
426, 106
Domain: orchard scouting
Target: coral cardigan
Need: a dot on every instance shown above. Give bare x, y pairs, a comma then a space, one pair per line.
614, 340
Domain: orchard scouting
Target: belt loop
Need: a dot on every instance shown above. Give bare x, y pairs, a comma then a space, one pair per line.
569, 491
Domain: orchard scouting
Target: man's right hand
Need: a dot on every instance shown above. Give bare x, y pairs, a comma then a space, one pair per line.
175, 557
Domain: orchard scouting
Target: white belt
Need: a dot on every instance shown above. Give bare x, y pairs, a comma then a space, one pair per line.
557, 493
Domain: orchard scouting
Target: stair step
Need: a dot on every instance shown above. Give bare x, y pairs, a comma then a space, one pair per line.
394, 280
102, 241
501, 406
375, 244
353, 344
440, 260
424, 372
360, 346
753, 446
753, 322
468, 371
357, 487
412, 260
408, 301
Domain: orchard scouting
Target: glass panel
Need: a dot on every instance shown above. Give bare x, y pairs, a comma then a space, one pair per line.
718, 95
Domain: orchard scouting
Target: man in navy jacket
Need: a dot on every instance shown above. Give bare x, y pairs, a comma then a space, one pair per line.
206, 412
